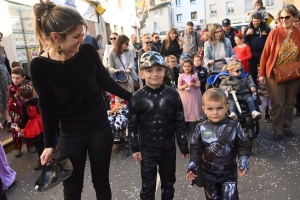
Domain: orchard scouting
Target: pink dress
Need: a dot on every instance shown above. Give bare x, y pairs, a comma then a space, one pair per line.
191, 99
7, 175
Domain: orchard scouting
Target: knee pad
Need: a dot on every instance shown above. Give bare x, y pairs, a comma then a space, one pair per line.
229, 190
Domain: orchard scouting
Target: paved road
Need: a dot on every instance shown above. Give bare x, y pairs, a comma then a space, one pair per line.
274, 173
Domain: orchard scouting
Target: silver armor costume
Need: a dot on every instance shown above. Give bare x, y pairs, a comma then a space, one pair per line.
220, 175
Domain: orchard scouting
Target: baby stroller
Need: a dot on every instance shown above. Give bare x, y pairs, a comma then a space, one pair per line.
117, 116
250, 126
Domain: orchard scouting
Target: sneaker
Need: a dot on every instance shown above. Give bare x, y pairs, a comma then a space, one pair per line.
117, 136
18, 153
39, 166
256, 115
233, 115
267, 118
297, 112
31, 150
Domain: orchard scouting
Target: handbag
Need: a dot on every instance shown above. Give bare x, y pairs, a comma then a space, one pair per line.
136, 85
120, 77
59, 170
287, 72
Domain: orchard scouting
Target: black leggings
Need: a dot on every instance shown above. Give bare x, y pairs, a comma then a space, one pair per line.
98, 145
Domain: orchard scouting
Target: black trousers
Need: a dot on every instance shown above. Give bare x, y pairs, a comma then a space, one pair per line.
220, 185
2, 193
98, 145
254, 61
166, 163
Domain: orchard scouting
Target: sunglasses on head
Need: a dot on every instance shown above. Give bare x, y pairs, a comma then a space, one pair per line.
238, 71
286, 17
148, 42
113, 38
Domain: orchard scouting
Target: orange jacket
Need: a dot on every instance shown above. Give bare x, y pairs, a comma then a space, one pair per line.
271, 49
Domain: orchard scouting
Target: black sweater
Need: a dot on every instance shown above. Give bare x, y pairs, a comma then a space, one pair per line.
173, 49
71, 92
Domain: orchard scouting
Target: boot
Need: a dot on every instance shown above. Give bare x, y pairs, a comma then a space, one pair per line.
117, 135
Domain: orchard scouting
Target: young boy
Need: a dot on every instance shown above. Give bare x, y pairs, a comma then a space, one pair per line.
172, 64
214, 146
18, 64
14, 107
155, 115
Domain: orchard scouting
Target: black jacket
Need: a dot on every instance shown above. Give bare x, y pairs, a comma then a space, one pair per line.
154, 118
230, 35
257, 40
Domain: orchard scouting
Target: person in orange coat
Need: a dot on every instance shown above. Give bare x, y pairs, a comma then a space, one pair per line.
282, 47
242, 51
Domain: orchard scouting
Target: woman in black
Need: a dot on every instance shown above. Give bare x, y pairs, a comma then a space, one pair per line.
171, 45
156, 41
68, 78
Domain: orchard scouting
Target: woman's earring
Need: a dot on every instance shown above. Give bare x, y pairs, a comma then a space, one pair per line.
59, 51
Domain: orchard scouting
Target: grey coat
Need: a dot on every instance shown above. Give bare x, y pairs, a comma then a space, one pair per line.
238, 85
115, 63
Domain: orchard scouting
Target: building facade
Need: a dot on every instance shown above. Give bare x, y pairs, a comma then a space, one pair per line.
236, 10
184, 11
158, 19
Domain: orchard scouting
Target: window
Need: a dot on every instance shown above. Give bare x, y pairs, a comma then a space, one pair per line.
269, 3
155, 12
230, 7
179, 18
155, 26
194, 15
213, 10
248, 5
178, 2
192, 1
161, 11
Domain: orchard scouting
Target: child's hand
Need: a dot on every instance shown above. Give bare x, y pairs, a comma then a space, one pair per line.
253, 89
185, 155
229, 88
137, 156
190, 176
1, 127
242, 172
17, 129
186, 85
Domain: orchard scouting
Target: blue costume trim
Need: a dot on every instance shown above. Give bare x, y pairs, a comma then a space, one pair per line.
244, 163
193, 167
212, 79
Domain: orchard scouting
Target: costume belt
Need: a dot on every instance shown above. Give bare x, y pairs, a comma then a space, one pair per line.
211, 166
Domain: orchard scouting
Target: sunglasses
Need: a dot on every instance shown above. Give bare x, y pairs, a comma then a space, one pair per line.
156, 37
238, 71
221, 31
286, 17
148, 42
113, 38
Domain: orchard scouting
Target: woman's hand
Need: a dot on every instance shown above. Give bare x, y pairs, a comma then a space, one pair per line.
137, 156
46, 156
262, 80
117, 70
190, 176
127, 71
211, 62
253, 89
233, 59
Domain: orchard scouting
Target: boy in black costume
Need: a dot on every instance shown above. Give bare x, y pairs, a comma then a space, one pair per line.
215, 153
155, 115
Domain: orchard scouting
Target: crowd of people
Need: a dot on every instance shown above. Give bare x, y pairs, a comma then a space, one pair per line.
73, 108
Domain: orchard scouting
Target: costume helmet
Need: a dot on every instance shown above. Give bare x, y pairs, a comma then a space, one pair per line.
151, 58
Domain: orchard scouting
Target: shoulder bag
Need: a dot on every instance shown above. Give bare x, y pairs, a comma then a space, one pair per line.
136, 85
287, 72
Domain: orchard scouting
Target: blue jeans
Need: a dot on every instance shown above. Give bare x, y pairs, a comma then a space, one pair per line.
249, 100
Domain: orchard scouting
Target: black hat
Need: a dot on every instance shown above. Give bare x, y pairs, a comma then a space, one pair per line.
59, 169
226, 22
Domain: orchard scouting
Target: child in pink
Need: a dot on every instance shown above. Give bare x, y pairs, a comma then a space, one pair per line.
190, 94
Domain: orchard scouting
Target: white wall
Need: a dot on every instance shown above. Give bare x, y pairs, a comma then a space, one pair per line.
163, 21
185, 9
240, 11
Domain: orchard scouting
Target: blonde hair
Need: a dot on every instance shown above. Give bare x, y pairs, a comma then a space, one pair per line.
230, 66
260, 2
214, 94
171, 57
